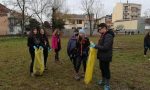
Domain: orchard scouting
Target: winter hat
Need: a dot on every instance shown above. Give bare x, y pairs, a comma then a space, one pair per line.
82, 31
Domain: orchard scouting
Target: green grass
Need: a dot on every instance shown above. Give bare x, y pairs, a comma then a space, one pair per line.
130, 70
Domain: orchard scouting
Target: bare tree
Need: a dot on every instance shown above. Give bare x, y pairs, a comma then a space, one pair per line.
87, 6
20, 5
38, 7
98, 11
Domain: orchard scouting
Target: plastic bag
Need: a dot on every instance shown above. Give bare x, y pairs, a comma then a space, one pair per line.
90, 66
38, 66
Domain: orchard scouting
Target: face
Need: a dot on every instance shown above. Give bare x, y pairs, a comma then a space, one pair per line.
42, 31
102, 30
35, 31
82, 35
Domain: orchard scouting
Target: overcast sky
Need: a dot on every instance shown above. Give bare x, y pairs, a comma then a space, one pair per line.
75, 5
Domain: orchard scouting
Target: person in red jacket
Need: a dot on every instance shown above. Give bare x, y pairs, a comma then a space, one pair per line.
56, 44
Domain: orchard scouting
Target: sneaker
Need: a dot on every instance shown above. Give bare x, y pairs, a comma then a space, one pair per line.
82, 75
77, 77
46, 69
32, 75
144, 55
106, 87
101, 83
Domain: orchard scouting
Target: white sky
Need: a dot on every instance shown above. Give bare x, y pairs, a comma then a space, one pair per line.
75, 5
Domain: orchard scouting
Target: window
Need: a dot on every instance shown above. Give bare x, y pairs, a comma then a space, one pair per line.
126, 8
79, 21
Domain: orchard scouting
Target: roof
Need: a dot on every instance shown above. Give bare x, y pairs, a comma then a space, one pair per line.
76, 16
4, 10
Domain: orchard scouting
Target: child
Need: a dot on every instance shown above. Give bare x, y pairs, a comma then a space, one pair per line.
146, 43
72, 47
45, 44
56, 44
82, 52
33, 42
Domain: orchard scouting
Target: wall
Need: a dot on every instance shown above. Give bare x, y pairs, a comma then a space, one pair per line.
3, 25
117, 12
128, 25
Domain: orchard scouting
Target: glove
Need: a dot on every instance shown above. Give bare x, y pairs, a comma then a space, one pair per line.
49, 49
92, 45
41, 47
34, 47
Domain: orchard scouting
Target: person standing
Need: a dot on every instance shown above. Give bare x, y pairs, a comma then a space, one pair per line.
45, 44
146, 43
33, 43
82, 53
72, 47
104, 54
56, 44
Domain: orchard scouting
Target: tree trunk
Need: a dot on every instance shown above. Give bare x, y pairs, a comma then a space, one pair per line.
90, 21
23, 17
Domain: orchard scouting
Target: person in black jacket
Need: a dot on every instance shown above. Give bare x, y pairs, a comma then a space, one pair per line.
33, 42
146, 43
45, 44
104, 54
72, 47
83, 44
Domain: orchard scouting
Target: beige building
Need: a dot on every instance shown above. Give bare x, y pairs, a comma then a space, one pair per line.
75, 21
127, 25
106, 19
10, 21
126, 11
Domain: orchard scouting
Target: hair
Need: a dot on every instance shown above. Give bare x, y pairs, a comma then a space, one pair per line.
45, 33
31, 32
102, 25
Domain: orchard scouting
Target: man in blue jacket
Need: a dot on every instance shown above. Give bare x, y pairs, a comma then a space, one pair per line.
104, 54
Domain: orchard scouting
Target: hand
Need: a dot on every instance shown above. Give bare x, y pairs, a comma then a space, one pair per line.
34, 47
41, 47
49, 49
92, 45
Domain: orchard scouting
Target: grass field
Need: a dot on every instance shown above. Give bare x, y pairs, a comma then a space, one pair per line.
130, 70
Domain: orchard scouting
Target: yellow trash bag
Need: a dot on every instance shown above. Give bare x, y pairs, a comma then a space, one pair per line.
38, 66
90, 66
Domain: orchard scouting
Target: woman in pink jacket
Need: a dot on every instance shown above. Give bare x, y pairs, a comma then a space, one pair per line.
56, 44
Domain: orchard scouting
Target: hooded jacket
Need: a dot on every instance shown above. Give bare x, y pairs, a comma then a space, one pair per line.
105, 46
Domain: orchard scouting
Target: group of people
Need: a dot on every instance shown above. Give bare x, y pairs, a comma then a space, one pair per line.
77, 49
39, 39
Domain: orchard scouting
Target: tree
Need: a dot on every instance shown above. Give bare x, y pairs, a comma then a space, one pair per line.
22, 6
47, 24
33, 23
87, 6
56, 5
38, 8
59, 23
98, 11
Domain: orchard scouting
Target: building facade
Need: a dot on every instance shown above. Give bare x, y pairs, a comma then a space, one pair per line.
126, 11
106, 19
